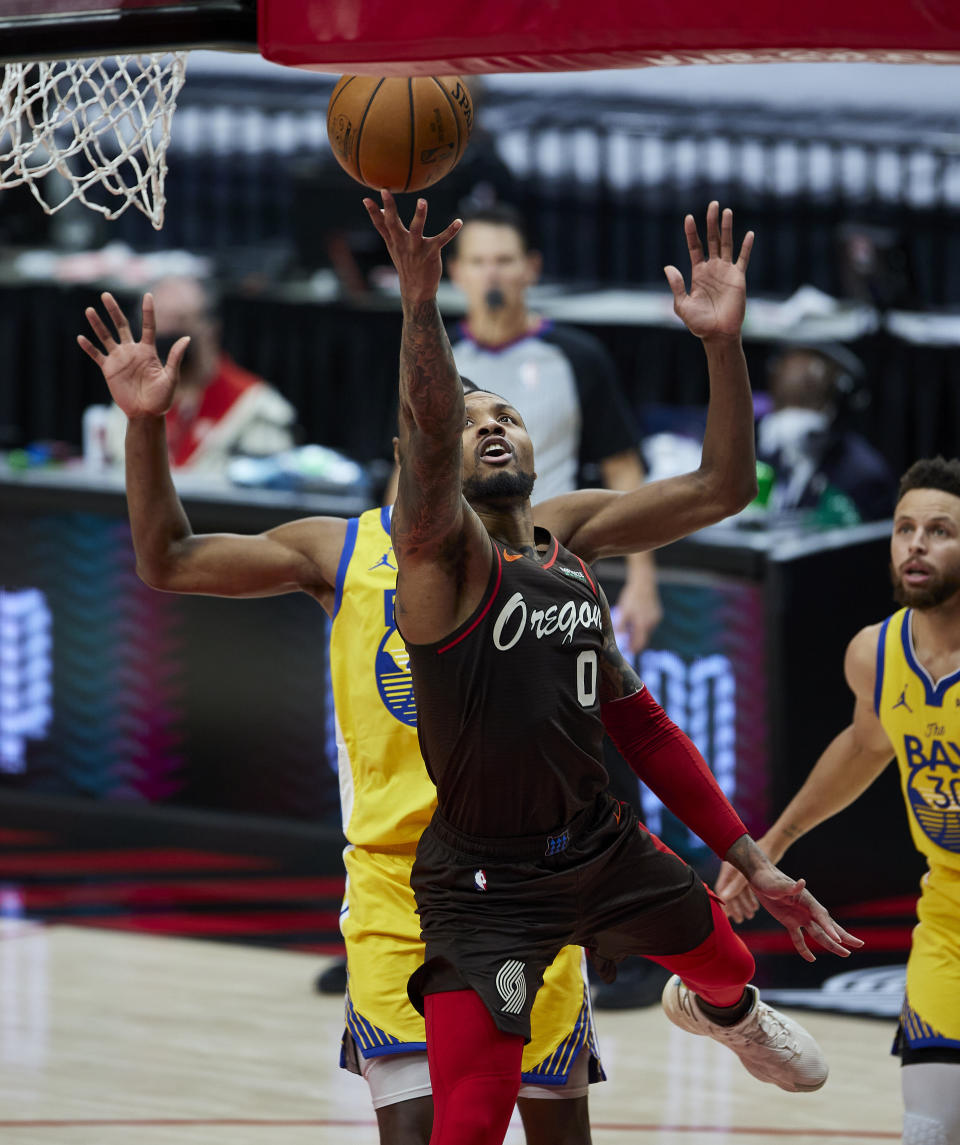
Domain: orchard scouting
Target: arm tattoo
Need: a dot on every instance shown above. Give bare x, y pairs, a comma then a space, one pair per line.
430, 389
431, 410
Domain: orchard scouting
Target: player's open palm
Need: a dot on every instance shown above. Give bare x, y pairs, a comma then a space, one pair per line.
795, 908
415, 255
139, 382
715, 305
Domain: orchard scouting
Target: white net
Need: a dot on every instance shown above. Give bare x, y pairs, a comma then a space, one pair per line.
91, 130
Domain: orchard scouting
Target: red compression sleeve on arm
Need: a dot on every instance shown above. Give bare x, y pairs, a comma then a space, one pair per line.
669, 764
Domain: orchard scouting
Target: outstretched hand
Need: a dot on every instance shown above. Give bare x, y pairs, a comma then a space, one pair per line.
416, 257
792, 905
715, 306
140, 384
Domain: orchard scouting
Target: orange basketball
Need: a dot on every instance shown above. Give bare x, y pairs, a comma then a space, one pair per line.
397, 133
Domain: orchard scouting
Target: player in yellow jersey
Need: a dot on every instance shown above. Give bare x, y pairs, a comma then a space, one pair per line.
905, 677
349, 569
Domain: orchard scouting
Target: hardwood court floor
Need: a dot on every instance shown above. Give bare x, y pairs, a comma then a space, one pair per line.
122, 1039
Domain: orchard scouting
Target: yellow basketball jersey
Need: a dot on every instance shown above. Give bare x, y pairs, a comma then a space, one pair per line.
386, 796
921, 717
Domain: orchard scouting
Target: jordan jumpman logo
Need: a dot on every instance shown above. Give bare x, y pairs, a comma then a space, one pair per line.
384, 562
902, 702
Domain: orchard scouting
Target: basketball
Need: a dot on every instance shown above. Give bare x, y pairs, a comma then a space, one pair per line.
402, 134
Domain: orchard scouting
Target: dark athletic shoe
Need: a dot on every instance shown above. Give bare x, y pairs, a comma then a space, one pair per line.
333, 980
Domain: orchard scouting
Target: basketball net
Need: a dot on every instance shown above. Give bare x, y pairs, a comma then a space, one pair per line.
91, 130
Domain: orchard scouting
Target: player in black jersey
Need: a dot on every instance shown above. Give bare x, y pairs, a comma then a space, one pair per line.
517, 674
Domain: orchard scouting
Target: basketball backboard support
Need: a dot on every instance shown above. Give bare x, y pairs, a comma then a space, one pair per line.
433, 37
384, 38
64, 29
88, 89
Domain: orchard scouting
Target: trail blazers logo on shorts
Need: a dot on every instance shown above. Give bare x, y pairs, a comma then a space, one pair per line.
511, 986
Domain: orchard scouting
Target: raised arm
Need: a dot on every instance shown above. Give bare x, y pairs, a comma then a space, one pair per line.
300, 555
597, 523
668, 762
442, 549
850, 763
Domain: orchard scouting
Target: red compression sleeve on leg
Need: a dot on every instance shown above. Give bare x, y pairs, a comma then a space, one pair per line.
717, 970
669, 764
474, 1070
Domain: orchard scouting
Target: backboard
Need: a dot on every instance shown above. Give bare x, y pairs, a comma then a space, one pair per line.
88, 89
59, 29
433, 37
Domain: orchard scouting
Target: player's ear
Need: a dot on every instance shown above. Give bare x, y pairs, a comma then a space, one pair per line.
396, 451
534, 266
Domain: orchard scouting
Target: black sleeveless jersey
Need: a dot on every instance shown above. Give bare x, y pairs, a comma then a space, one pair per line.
507, 707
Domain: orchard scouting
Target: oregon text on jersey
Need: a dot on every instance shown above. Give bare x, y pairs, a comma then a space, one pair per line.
566, 618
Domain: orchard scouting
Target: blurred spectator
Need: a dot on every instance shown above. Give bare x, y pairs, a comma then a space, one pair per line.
562, 381
875, 267
221, 410
815, 457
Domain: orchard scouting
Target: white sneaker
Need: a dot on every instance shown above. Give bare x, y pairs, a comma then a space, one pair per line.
772, 1046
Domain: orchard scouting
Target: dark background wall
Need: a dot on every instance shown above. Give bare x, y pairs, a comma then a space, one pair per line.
337, 363
603, 183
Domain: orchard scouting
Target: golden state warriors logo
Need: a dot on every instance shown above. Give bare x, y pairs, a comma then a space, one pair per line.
934, 790
392, 668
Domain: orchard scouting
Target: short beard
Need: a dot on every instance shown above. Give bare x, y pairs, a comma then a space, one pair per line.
498, 487
932, 596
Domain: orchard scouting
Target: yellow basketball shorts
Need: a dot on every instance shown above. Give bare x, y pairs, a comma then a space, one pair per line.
382, 935
931, 1009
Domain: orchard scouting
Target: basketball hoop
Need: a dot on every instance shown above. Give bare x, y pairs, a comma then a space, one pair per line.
90, 130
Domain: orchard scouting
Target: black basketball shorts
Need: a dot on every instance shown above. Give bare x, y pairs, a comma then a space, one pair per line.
494, 913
